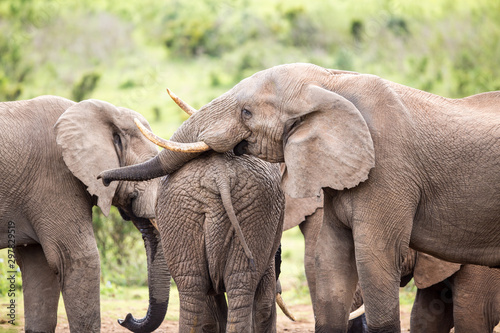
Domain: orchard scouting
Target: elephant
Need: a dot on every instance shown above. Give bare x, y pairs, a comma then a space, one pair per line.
220, 218
449, 295
398, 166
307, 213
52, 150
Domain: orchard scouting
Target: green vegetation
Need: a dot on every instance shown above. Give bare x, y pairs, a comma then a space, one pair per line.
128, 52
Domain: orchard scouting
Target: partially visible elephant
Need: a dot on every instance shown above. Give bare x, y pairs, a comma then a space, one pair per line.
449, 295
307, 213
399, 167
466, 297
51, 151
220, 218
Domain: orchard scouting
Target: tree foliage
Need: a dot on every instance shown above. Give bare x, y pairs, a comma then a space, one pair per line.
121, 248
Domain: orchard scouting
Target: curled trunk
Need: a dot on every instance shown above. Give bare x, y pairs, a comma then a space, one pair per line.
158, 282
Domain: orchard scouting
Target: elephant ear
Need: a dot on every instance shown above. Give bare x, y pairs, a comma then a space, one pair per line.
85, 132
329, 145
430, 270
297, 209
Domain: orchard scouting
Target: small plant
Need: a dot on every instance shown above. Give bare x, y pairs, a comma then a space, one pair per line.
85, 86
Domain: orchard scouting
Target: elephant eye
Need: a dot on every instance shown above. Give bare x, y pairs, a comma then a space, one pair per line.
246, 114
117, 141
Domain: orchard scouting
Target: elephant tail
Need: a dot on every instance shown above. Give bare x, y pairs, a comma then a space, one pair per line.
225, 193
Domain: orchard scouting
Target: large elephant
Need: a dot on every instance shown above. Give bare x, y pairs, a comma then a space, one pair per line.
449, 295
51, 152
398, 166
220, 218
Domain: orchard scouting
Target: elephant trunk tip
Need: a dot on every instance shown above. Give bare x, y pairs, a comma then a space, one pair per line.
137, 325
128, 318
105, 180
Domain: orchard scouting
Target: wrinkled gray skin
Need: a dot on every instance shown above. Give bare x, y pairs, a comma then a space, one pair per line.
202, 251
52, 149
449, 295
396, 164
466, 297
307, 213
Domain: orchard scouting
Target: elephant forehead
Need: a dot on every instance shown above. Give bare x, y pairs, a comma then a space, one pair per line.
260, 85
125, 119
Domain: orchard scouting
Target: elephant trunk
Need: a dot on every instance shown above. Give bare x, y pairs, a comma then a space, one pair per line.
158, 282
165, 162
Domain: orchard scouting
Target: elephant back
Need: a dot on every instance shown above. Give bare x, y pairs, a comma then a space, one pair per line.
27, 141
189, 202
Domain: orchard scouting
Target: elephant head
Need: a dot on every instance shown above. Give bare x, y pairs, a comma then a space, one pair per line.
94, 136
287, 113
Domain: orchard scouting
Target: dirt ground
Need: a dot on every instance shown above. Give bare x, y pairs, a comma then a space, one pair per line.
303, 314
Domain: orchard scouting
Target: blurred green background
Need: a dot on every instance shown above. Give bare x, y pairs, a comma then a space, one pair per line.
128, 52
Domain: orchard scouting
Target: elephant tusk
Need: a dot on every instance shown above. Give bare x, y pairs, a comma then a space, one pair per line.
153, 222
283, 307
183, 105
195, 147
356, 313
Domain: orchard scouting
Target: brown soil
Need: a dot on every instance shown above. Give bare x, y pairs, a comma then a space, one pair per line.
303, 324
303, 313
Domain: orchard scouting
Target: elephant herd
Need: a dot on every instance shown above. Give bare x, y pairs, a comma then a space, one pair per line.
386, 183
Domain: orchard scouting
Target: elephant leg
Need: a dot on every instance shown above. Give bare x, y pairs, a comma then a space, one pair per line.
240, 295
75, 259
265, 303
217, 314
336, 277
476, 299
80, 291
196, 307
432, 310
40, 289
382, 238
310, 229
379, 279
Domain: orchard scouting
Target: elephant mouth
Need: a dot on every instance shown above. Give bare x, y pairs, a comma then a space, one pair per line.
139, 222
126, 215
241, 148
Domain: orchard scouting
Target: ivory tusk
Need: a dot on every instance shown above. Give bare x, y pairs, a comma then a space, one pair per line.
195, 147
153, 222
357, 313
283, 307
183, 105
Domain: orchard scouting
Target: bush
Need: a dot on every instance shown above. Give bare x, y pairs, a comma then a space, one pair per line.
85, 86
121, 248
